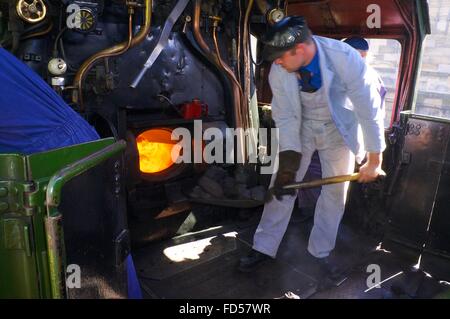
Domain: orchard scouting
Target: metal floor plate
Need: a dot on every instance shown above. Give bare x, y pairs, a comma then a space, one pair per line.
204, 265
213, 273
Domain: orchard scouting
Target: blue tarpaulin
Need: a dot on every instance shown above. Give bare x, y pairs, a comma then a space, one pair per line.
34, 119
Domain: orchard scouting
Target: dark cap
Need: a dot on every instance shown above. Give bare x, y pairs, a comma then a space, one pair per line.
358, 43
283, 36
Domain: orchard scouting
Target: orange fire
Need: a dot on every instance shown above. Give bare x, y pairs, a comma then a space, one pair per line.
155, 149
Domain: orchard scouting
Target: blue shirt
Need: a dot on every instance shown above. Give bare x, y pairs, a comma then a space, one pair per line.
314, 68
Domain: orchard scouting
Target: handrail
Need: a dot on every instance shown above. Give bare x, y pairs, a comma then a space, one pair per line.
53, 220
54, 187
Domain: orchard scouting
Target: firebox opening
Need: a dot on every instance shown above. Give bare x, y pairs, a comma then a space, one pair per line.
155, 148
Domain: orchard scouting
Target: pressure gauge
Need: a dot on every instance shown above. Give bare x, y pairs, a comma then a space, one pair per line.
275, 15
85, 20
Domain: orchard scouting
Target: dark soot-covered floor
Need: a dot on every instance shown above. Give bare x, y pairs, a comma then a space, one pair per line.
204, 265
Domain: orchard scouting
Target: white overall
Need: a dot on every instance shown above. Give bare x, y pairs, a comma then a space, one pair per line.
318, 132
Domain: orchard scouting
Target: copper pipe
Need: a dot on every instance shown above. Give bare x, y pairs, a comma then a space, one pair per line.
85, 70
40, 33
247, 64
241, 94
113, 51
239, 43
214, 59
222, 63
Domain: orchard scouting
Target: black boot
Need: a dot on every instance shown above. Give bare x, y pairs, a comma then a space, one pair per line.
329, 273
330, 269
252, 260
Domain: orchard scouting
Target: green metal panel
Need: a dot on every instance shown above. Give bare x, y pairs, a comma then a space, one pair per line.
53, 221
44, 165
12, 167
24, 268
19, 277
18, 272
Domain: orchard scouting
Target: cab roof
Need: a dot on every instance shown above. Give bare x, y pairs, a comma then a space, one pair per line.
338, 18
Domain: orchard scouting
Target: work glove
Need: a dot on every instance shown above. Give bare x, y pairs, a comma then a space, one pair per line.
289, 163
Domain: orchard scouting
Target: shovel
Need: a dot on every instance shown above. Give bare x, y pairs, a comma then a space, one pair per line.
251, 203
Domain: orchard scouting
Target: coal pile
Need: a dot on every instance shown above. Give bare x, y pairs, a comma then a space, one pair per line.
241, 184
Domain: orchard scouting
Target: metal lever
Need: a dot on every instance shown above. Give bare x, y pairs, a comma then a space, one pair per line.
163, 39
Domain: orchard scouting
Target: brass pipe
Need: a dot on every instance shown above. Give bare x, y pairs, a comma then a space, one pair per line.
222, 63
247, 64
239, 43
113, 51
215, 60
40, 33
112, 54
241, 94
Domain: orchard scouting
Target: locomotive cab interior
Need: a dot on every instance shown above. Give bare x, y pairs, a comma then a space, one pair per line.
139, 70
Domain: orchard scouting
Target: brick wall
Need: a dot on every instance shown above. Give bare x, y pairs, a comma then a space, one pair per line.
434, 81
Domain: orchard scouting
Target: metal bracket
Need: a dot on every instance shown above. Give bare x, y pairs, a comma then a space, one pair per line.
163, 39
17, 197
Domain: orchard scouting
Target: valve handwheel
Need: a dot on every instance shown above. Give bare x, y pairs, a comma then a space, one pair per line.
31, 11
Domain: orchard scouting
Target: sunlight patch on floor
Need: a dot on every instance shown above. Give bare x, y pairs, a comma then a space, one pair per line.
191, 250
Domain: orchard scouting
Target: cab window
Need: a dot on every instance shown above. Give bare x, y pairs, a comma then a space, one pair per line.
384, 57
433, 84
